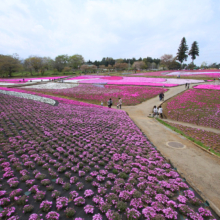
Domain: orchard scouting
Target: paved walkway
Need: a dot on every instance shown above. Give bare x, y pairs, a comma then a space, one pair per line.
217, 131
200, 169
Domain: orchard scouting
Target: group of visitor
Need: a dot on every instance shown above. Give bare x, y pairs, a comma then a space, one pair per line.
187, 86
110, 103
158, 111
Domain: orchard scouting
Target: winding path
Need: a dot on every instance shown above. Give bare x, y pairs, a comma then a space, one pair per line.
199, 168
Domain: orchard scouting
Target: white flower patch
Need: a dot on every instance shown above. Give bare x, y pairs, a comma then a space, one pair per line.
52, 85
78, 80
29, 96
188, 73
6, 84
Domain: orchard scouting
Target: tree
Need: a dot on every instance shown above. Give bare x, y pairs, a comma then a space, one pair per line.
48, 63
174, 65
61, 61
66, 69
153, 65
166, 60
35, 63
120, 60
139, 65
148, 60
27, 65
76, 61
121, 66
182, 51
191, 66
169, 62
194, 51
102, 67
86, 68
9, 64
204, 65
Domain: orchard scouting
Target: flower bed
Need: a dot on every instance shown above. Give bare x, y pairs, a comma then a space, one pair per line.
130, 95
196, 106
125, 171
139, 81
24, 80
52, 85
59, 99
212, 87
197, 73
184, 73
209, 139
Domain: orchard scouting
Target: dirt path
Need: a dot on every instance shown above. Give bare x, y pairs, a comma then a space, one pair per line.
199, 168
214, 130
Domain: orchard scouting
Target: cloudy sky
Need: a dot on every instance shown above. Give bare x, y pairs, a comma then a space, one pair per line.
109, 28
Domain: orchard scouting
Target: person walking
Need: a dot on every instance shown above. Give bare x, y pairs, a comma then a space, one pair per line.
162, 95
109, 103
101, 103
155, 111
119, 103
186, 86
160, 111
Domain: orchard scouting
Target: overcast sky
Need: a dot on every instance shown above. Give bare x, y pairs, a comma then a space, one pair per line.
109, 28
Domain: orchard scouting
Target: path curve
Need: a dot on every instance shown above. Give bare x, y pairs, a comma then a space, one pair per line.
198, 167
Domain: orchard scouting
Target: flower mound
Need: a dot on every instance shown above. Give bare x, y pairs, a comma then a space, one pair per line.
196, 106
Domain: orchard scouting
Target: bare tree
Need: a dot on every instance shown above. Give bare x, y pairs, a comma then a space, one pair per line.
121, 66
139, 65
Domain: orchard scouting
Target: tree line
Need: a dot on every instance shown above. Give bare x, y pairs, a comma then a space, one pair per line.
64, 63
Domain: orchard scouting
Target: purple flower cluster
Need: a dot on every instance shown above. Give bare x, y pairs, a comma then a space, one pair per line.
61, 202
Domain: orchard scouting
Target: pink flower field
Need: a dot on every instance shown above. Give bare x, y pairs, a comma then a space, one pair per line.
131, 95
84, 162
139, 81
184, 73
209, 86
197, 106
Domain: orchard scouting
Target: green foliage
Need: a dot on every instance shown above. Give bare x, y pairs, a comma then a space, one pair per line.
76, 61
115, 171
70, 212
123, 175
121, 206
9, 65
61, 61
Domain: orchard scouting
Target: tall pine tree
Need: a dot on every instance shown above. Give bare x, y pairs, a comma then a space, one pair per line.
182, 51
194, 51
